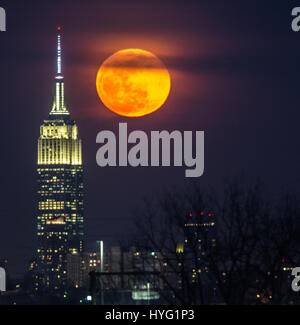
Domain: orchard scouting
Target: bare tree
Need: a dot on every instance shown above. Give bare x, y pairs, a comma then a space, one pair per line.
236, 247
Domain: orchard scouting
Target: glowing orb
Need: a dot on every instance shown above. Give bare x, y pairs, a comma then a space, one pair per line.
133, 82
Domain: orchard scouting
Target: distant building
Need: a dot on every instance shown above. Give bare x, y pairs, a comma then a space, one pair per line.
79, 266
199, 236
60, 191
131, 283
119, 287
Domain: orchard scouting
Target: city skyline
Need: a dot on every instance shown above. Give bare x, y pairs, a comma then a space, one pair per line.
240, 87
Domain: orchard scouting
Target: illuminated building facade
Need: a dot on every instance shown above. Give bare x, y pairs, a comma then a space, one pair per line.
60, 190
199, 235
199, 240
79, 266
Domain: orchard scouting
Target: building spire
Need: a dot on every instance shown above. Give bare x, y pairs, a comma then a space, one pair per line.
59, 107
58, 51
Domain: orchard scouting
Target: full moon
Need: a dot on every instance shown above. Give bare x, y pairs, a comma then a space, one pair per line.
133, 83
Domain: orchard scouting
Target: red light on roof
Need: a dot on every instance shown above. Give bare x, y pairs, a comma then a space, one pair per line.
191, 215
58, 28
202, 213
209, 214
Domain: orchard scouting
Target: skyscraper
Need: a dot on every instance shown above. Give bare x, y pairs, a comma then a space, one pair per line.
60, 189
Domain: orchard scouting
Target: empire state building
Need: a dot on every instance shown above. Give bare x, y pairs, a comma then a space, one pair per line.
60, 190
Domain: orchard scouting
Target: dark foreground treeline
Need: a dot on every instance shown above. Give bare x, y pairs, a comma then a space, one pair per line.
233, 247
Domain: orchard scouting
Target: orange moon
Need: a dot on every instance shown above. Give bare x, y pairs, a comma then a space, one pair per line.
133, 83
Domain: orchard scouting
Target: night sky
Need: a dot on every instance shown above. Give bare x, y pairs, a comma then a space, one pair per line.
234, 67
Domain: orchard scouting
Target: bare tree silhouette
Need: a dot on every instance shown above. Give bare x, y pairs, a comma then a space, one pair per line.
234, 247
